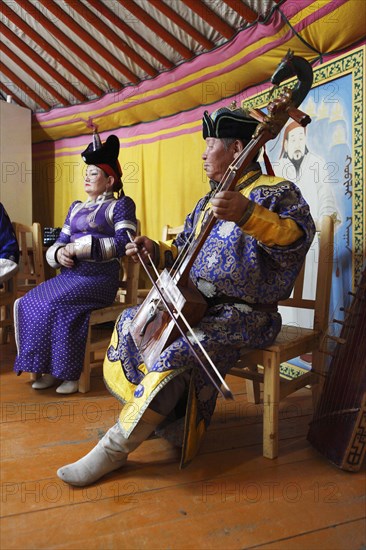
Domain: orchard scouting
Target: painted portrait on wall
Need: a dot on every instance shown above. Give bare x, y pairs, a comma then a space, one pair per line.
325, 160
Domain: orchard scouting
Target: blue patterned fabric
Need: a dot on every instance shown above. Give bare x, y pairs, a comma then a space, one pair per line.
234, 263
52, 319
231, 262
9, 249
104, 222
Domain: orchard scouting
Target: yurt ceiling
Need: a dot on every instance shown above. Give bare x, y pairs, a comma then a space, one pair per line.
144, 60
65, 52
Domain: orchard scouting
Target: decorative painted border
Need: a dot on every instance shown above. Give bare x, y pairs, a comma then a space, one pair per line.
350, 63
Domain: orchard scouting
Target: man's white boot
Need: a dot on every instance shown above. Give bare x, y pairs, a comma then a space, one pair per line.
110, 453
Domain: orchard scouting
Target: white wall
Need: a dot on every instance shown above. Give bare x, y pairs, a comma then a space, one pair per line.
16, 162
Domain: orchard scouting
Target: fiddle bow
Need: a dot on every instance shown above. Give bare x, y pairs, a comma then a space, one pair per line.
174, 303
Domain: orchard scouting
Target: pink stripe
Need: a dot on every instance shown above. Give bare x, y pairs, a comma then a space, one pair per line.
243, 39
316, 11
129, 132
52, 149
160, 95
43, 152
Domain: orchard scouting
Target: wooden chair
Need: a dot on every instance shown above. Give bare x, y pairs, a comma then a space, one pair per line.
8, 296
170, 232
102, 320
263, 365
31, 264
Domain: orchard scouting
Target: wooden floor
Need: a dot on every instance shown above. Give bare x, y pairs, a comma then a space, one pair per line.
229, 497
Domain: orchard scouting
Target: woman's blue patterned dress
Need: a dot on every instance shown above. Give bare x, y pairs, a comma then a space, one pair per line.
51, 321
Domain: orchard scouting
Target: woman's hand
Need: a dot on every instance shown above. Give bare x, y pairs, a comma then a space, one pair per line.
65, 255
142, 245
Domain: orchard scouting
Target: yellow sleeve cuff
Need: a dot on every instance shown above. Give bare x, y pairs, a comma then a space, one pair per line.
271, 230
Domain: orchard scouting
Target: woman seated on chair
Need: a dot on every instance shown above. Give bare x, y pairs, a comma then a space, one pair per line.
51, 321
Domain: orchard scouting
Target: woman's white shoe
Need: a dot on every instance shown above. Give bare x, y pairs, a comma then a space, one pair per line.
47, 381
68, 386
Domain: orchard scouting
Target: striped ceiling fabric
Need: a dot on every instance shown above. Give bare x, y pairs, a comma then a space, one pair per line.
120, 63
146, 71
57, 53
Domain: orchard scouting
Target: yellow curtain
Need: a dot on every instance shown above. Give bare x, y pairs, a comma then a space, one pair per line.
165, 178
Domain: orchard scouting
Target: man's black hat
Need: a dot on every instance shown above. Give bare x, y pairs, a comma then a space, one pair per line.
228, 123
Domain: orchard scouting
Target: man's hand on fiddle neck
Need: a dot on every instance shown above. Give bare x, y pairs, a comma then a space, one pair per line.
229, 205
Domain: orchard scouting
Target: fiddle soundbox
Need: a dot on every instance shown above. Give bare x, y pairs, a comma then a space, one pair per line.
174, 305
338, 429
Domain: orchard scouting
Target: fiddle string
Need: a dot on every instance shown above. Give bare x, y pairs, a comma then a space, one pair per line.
183, 253
339, 389
354, 356
180, 314
178, 261
189, 244
204, 215
226, 392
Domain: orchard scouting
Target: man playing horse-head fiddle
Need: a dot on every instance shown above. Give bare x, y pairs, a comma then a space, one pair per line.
249, 261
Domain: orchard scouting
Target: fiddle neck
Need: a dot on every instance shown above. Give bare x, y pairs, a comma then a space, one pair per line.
243, 163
